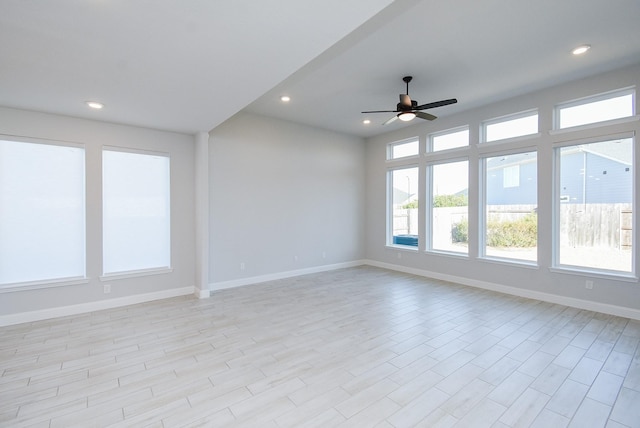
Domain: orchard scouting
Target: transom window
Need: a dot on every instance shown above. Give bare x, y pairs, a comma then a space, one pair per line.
512, 126
449, 139
595, 109
403, 149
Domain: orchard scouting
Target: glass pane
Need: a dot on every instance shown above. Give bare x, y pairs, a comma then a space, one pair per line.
596, 205
450, 207
450, 140
401, 150
598, 111
136, 224
511, 128
42, 212
404, 185
511, 219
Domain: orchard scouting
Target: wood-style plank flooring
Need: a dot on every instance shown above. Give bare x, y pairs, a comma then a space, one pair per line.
358, 347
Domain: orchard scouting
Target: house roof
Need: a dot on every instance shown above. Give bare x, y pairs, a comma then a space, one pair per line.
189, 65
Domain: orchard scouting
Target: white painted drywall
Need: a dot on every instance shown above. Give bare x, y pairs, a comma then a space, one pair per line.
282, 196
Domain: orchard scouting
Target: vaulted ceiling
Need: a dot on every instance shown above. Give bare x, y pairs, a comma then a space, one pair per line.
189, 65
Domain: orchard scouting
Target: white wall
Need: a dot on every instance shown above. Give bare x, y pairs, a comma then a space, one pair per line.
608, 294
281, 195
94, 135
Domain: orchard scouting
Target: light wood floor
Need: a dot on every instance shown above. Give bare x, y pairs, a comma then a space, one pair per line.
356, 347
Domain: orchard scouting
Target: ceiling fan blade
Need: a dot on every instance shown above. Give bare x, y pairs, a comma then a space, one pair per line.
393, 119
437, 104
426, 116
405, 100
382, 111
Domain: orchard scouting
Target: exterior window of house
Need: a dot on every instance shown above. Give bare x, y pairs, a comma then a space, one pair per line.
449, 223
512, 126
403, 211
594, 205
511, 176
449, 139
510, 206
403, 149
136, 221
42, 212
595, 109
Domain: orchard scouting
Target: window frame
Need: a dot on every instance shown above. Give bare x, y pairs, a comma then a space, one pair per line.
556, 266
482, 206
430, 139
56, 281
603, 96
429, 203
406, 141
506, 118
106, 276
389, 199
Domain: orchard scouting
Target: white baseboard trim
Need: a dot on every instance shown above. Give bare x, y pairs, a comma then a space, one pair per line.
605, 308
82, 308
222, 285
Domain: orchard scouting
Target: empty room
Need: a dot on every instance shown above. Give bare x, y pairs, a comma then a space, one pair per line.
287, 213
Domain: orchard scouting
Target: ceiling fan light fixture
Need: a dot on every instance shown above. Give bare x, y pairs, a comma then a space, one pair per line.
406, 116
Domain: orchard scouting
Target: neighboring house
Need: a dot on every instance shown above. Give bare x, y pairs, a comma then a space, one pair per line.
594, 174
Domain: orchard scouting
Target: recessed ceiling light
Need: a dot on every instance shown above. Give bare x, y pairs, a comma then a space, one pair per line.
285, 99
366, 121
95, 105
581, 49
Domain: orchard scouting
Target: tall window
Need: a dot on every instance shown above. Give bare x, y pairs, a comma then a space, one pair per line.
450, 206
403, 188
136, 222
594, 207
42, 212
510, 215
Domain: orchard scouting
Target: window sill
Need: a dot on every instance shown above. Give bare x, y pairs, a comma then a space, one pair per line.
611, 275
528, 264
37, 285
135, 274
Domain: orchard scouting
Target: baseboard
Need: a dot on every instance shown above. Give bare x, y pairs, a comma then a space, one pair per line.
281, 275
605, 308
82, 308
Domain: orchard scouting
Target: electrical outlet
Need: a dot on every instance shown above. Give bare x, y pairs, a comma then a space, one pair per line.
588, 284
106, 288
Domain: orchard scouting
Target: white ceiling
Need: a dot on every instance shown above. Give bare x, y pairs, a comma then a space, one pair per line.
189, 65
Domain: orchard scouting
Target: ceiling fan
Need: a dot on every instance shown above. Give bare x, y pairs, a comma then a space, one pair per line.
409, 109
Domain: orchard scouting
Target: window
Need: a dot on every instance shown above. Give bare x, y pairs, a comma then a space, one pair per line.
136, 223
594, 207
42, 212
404, 206
510, 214
511, 176
510, 127
450, 206
449, 140
595, 109
403, 149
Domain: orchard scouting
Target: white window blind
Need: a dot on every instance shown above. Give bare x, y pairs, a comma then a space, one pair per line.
136, 207
42, 212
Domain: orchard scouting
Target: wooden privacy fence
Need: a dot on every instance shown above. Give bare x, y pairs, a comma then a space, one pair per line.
596, 225
581, 225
